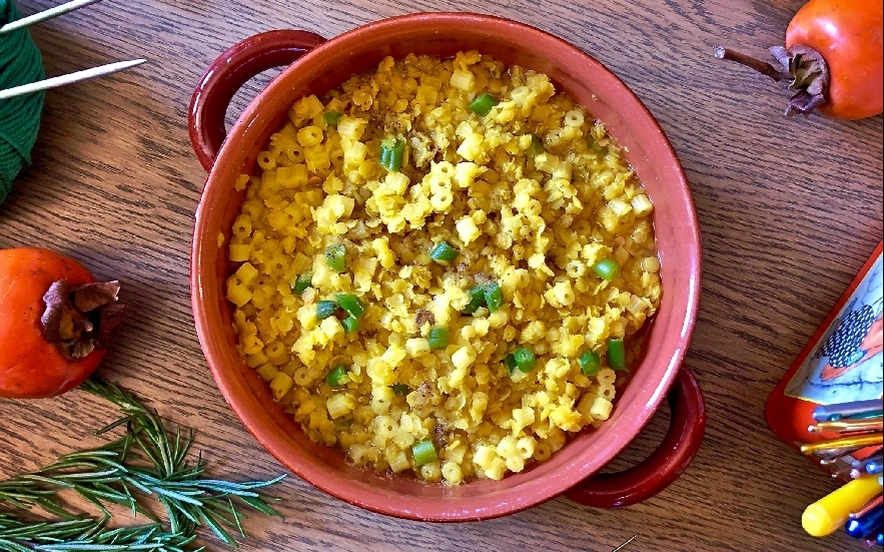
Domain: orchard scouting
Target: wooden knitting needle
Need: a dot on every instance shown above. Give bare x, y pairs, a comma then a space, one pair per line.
624, 544
46, 14
69, 78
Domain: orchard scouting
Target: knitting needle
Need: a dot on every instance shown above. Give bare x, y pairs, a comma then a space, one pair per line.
46, 14
857, 409
832, 456
844, 442
69, 78
624, 544
869, 506
845, 426
872, 465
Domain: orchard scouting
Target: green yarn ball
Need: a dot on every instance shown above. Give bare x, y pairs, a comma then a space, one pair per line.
20, 63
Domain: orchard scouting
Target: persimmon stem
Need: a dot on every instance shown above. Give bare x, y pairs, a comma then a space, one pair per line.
761, 66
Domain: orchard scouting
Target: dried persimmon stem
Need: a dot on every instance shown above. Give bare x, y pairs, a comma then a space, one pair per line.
762, 67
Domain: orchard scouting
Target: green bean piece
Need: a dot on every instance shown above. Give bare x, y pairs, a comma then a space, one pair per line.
424, 452
332, 118
510, 362
352, 304
536, 145
438, 338
302, 282
391, 154
607, 269
443, 253
596, 148
590, 362
482, 105
493, 296
525, 359
617, 354
338, 376
350, 324
477, 299
336, 257
400, 389
326, 308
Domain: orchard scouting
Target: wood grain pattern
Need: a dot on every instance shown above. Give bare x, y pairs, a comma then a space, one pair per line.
789, 210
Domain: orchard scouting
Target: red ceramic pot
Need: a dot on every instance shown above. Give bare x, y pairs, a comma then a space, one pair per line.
316, 65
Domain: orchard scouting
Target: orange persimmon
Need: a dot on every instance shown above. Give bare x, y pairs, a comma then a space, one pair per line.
55, 320
833, 58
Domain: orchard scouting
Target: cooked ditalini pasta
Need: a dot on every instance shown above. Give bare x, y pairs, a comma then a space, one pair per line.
441, 267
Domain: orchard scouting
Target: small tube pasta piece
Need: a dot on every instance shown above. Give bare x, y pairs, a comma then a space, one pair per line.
462, 79
452, 473
239, 252
463, 357
267, 371
601, 409
237, 294
340, 405
281, 384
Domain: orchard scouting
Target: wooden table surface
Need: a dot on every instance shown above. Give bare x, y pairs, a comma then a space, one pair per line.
789, 209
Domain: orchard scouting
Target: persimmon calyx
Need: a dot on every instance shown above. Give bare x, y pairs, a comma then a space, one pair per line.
804, 67
80, 320
810, 77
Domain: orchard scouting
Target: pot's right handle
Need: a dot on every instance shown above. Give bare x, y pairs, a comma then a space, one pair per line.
664, 465
232, 69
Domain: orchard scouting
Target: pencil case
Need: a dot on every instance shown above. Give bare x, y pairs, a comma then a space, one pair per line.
829, 406
842, 362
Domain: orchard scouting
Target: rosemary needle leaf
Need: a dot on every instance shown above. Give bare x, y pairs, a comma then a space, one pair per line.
177, 496
151, 455
236, 517
86, 455
92, 476
114, 425
97, 503
176, 523
217, 529
223, 516
260, 505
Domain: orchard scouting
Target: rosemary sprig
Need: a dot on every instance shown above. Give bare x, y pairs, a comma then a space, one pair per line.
148, 460
88, 534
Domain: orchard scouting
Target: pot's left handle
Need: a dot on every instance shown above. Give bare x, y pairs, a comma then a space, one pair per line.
231, 70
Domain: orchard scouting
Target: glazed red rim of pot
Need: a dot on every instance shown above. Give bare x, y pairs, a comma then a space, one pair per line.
316, 66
